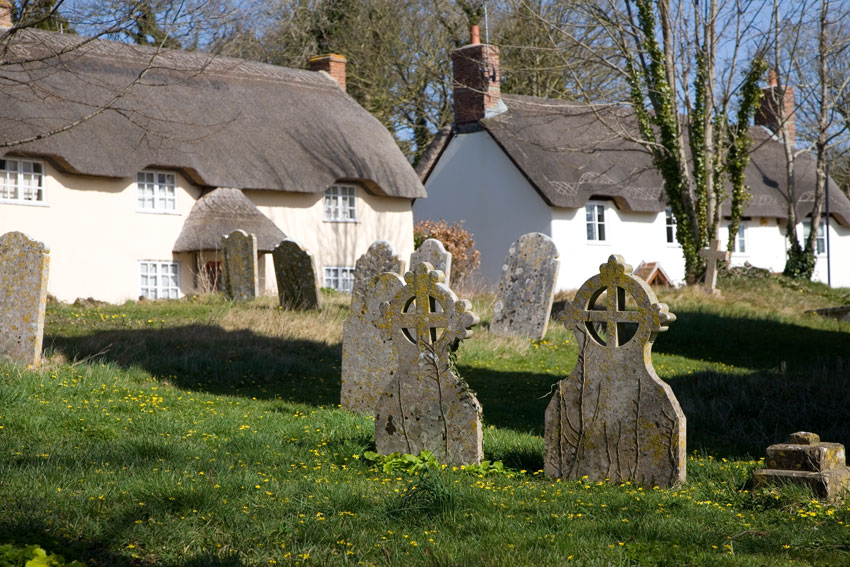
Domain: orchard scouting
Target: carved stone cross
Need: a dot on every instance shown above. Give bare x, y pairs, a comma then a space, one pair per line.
425, 406
613, 418
712, 255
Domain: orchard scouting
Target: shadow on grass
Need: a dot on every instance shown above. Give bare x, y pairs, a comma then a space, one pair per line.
95, 553
210, 359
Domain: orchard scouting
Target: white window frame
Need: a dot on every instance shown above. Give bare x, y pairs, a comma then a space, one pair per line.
340, 278
340, 203
156, 191
670, 226
594, 217
820, 241
21, 181
741, 239
154, 279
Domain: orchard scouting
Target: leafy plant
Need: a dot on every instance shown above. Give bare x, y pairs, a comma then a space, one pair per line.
31, 556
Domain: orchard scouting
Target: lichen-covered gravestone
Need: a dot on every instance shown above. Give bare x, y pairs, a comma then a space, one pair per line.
805, 460
426, 407
433, 252
297, 282
368, 358
526, 288
613, 418
239, 268
24, 265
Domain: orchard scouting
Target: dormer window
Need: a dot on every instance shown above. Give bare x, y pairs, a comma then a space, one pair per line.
156, 191
341, 203
21, 181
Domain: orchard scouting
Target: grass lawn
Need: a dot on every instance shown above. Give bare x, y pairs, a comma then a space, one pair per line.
199, 432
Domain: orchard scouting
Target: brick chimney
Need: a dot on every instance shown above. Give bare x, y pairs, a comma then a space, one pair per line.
5, 14
768, 114
476, 76
332, 64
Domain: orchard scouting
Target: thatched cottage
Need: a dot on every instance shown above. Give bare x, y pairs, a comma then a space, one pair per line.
517, 164
130, 162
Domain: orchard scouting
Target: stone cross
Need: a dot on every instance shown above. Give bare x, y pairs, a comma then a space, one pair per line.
426, 406
526, 288
369, 360
297, 282
613, 418
433, 252
712, 255
239, 268
24, 265
806, 461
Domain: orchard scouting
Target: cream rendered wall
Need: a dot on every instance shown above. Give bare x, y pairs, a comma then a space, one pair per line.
638, 237
475, 182
96, 235
839, 251
336, 244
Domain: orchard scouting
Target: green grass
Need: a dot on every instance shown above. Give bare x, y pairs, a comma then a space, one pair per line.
200, 432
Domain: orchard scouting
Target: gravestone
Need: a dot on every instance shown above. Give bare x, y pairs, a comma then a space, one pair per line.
712, 255
24, 265
297, 280
425, 407
613, 418
433, 252
526, 288
368, 359
807, 461
239, 266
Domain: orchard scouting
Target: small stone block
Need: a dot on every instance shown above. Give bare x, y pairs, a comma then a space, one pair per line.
829, 485
803, 438
814, 458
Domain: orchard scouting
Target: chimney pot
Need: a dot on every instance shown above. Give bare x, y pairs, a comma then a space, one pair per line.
474, 34
5, 14
772, 78
332, 64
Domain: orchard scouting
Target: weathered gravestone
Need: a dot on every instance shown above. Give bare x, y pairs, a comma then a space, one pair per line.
425, 407
24, 265
807, 461
239, 268
433, 252
613, 418
297, 282
368, 358
526, 288
713, 255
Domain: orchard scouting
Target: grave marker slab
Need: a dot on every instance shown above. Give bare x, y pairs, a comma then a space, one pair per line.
239, 265
297, 280
613, 418
526, 288
433, 252
425, 406
369, 360
806, 461
24, 266
713, 254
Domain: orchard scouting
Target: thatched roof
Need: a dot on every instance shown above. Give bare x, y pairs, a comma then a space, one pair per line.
222, 122
571, 152
221, 212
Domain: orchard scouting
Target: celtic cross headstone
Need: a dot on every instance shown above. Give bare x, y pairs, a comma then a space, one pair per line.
426, 406
613, 418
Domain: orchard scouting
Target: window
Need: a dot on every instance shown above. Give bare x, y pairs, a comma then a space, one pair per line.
156, 191
339, 278
341, 203
595, 214
670, 222
741, 240
21, 181
820, 239
160, 280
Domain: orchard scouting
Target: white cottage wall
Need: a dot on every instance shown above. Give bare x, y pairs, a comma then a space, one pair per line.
97, 235
476, 183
